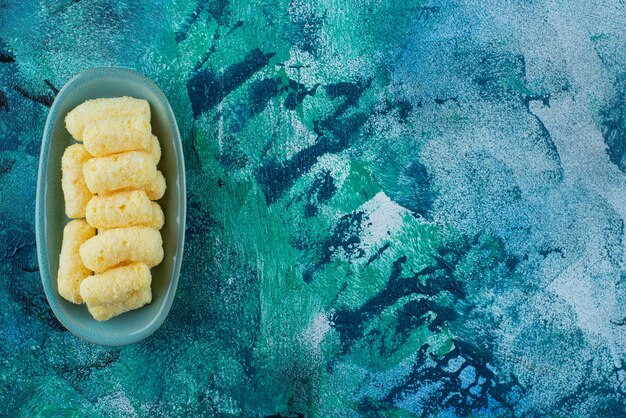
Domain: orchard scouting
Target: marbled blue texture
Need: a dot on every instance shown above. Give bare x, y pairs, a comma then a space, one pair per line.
395, 208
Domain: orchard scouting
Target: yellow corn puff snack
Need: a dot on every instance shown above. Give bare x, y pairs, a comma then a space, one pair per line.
132, 169
120, 209
155, 149
98, 109
156, 221
117, 290
110, 136
119, 245
156, 188
134, 301
71, 269
75, 191
158, 217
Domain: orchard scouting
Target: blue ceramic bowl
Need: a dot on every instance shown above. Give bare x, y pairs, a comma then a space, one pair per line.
136, 325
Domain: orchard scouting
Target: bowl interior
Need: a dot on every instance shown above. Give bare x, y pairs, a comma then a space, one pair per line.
138, 324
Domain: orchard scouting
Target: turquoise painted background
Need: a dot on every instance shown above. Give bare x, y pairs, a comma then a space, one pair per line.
396, 208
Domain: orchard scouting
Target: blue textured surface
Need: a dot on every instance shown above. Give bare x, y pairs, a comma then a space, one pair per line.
395, 208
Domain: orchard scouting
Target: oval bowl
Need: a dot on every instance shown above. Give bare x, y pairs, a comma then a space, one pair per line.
136, 325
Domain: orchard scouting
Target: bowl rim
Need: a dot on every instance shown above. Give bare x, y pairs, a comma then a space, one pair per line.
40, 225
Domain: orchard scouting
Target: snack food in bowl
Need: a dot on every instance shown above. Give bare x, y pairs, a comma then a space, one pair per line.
124, 137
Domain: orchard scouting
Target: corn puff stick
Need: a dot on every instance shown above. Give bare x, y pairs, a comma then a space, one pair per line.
98, 109
156, 188
71, 269
111, 136
75, 191
118, 245
120, 209
155, 149
132, 169
117, 290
